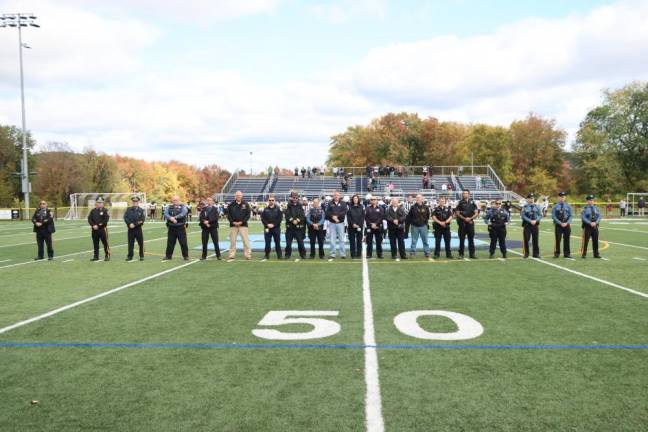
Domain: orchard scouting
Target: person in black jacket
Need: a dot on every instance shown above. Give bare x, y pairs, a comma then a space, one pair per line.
238, 214
295, 226
374, 216
315, 220
466, 213
271, 219
355, 224
418, 218
98, 220
134, 218
44, 227
336, 213
441, 219
395, 216
208, 218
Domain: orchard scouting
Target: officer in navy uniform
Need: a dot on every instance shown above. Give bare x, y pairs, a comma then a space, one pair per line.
295, 226
591, 217
134, 219
562, 216
466, 213
374, 216
208, 218
531, 216
44, 227
441, 220
497, 218
315, 220
176, 220
395, 216
98, 220
271, 217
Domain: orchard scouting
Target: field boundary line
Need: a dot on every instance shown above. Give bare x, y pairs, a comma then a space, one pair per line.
94, 297
584, 275
373, 404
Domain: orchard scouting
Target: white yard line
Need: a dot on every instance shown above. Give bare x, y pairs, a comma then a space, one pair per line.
626, 230
68, 260
373, 404
89, 299
603, 281
7, 260
639, 259
82, 252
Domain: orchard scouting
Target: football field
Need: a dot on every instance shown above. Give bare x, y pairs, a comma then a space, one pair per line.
350, 345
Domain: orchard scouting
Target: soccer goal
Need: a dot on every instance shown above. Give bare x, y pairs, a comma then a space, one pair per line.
632, 199
117, 203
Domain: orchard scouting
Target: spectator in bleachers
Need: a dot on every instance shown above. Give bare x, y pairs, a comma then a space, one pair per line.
303, 172
296, 171
478, 182
444, 187
426, 180
309, 172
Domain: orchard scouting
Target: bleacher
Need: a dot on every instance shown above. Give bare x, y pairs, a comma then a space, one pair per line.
257, 188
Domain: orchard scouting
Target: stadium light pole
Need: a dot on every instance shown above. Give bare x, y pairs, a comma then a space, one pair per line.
20, 20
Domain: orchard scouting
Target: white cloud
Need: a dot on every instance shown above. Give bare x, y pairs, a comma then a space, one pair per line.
343, 11
556, 68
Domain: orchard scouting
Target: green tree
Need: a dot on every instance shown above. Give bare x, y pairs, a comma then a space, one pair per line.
491, 145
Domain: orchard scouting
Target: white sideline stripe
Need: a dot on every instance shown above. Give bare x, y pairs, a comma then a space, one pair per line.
373, 404
57, 239
603, 281
627, 245
86, 251
605, 259
626, 230
69, 260
639, 259
7, 260
89, 299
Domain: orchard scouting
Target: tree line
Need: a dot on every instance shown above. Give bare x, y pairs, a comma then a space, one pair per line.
609, 156
57, 172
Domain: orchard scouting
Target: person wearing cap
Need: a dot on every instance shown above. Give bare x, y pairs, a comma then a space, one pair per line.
315, 219
441, 219
591, 217
466, 212
531, 216
355, 225
374, 216
562, 217
238, 214
176, 222
208, 219
44, 228
497, 218
295, 226
98, 220
271, 218
134, 218
395, 216
336, 211
418, 218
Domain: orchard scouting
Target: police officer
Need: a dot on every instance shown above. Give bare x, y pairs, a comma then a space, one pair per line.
497, 218
134, 219
238, 214
374, 216
44, 227
418, 218
562, 217
98, 220
395, 216
271, 217
315, 220
466, 213
531, 216
591, 217
441, 219
176, 220
295, 226
208, 218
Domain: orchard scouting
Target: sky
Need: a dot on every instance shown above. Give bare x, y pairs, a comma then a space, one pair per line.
211, 81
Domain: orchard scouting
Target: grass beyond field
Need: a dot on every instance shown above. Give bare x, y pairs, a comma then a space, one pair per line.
170, 345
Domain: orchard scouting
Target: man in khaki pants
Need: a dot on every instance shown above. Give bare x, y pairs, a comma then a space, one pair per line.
238, 214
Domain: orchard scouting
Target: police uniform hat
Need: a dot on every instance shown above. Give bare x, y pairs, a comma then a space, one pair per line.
562, 194
530, 195
135, 198
100, 200
589, 197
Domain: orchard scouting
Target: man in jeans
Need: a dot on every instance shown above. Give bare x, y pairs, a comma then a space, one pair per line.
238, 214
418, 218
335, 214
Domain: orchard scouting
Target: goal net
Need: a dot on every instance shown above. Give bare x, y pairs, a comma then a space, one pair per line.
633, 203
116, 203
